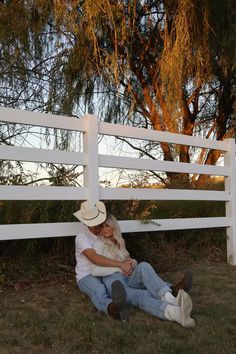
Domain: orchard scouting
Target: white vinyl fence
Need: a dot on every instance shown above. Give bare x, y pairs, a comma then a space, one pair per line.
91, 160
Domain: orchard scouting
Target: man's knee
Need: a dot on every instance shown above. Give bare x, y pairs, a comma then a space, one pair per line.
144, 266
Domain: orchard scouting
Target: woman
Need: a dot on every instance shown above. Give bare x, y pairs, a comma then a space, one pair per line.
144, 288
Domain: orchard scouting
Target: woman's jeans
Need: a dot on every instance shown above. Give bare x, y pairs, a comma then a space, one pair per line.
144, 288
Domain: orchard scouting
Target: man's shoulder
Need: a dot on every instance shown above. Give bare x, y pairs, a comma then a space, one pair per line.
83, 230
84, 234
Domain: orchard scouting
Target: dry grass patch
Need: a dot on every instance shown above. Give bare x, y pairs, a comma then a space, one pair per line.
52, 316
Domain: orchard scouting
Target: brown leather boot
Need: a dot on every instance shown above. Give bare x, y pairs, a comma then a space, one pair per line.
113, 311
117, 308
185, 283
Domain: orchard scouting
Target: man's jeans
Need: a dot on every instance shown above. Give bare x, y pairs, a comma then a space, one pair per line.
95, 289
144, 289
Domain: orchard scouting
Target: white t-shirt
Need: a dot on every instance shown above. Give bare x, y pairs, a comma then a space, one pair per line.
84, 239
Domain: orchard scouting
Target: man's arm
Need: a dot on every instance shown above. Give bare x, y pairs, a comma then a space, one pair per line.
125, 266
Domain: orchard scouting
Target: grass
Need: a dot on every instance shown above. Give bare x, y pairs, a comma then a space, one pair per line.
50, 315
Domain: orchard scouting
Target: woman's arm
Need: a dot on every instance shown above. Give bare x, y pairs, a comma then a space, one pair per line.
98, 271
125, 266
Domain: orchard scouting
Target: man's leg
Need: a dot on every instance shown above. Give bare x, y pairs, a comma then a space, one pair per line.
113, 304
145, 276
118, 309
95, 289
185, 283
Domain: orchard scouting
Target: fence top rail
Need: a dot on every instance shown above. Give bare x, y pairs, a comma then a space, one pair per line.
18, 116
71, 123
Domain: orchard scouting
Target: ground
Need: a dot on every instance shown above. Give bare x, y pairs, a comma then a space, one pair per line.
50, 315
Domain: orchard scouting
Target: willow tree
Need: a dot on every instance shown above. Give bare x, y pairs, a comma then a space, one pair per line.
167, 65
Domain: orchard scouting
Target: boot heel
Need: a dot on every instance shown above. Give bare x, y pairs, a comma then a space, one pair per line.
124, 315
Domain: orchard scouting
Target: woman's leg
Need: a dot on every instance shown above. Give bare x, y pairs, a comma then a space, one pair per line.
146, 302
162, 309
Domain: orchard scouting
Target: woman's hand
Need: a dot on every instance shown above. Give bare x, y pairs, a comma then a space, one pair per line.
126, 267
133, 262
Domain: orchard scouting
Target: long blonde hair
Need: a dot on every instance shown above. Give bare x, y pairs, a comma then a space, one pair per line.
117, 236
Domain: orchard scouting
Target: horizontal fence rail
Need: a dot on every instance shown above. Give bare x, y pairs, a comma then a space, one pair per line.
42, 193
156, 165
91, 161
144, 134
161, 194
41, 155
41, 119
45, 230
80, 193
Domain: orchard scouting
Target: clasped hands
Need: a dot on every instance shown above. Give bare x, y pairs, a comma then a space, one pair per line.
128, 266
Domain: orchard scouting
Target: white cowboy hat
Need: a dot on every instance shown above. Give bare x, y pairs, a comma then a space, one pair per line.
91, 214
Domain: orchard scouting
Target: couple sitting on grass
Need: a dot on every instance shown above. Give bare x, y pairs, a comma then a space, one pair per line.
112, 280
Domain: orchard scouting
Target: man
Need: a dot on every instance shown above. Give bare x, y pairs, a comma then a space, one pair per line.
92, 216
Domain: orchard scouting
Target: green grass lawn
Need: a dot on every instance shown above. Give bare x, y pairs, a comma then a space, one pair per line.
51, 316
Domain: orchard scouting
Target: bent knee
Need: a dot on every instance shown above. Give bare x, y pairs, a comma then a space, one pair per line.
144, 265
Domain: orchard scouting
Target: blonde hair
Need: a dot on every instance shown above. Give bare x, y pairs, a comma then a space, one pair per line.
117, 237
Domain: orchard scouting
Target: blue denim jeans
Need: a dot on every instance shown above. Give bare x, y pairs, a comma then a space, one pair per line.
144, 289
95, 289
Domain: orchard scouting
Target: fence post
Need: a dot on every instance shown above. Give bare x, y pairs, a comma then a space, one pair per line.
230, 186
90, 147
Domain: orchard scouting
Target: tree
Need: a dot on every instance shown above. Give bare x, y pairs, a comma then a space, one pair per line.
166, 65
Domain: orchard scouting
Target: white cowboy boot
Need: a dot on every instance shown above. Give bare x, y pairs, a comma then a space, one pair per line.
181, 314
